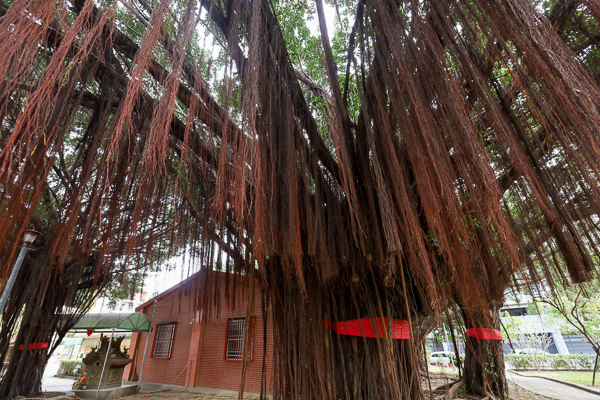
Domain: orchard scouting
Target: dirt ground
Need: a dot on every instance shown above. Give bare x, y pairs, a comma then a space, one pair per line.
437, 380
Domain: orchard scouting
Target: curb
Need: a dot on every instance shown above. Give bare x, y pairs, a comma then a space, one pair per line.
575, 385
65, 377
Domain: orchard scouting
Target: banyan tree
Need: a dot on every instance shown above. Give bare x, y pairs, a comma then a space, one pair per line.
410, 157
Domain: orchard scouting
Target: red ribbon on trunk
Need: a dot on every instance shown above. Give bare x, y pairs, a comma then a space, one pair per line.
34, 346
485, 334
399, 329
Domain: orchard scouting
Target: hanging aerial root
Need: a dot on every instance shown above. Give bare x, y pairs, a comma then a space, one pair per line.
450, 388
455, 387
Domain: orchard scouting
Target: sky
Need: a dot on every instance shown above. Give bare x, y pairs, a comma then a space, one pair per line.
158, 282
330, 19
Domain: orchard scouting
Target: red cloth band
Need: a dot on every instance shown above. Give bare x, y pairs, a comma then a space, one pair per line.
34, 346
353, 328
485, 334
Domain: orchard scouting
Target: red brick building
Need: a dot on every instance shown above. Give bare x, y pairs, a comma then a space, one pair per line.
186, 351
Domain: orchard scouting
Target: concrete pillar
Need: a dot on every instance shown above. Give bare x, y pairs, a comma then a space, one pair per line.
128, 372
561, 346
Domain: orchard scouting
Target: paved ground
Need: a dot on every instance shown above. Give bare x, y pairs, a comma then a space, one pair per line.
551, 389
53, 384
544, 387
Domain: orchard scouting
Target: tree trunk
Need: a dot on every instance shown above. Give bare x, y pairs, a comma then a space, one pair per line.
42, 296
313, 361
23, 373
484, 371
25, 369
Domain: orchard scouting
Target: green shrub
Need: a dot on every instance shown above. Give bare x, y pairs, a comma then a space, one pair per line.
570, 362
71, 368
559, 361
519, 362
583, 361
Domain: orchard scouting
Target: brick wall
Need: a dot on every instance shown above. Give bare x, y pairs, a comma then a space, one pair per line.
203, 343
214, 371
173, 308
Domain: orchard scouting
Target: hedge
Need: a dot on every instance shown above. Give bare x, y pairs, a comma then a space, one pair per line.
71, 368
552, 362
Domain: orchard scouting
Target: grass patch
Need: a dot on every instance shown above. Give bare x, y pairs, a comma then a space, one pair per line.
580, 377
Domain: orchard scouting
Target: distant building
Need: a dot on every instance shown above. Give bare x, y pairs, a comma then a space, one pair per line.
536, 324
103, 306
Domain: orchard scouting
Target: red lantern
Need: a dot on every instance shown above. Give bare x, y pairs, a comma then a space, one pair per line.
90, 331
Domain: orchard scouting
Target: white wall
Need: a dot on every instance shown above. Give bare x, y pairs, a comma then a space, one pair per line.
537, 324
121, 306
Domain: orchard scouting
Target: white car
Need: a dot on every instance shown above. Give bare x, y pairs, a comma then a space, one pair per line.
440, 357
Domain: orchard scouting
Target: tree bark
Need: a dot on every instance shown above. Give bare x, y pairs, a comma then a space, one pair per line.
332, 366
23, 374
484, 371
42, 297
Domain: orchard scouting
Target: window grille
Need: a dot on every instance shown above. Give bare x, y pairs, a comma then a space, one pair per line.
235, 339
163, 341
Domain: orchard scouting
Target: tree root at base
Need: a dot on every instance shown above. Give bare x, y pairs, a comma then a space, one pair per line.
454, 388
488, 396
444, 387
449, 389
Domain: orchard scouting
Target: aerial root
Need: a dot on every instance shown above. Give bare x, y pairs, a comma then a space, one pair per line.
454, 388
488, 396
449, 389
445, 385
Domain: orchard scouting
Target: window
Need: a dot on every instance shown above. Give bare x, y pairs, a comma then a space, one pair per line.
163, 341
515, 312
234, 349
